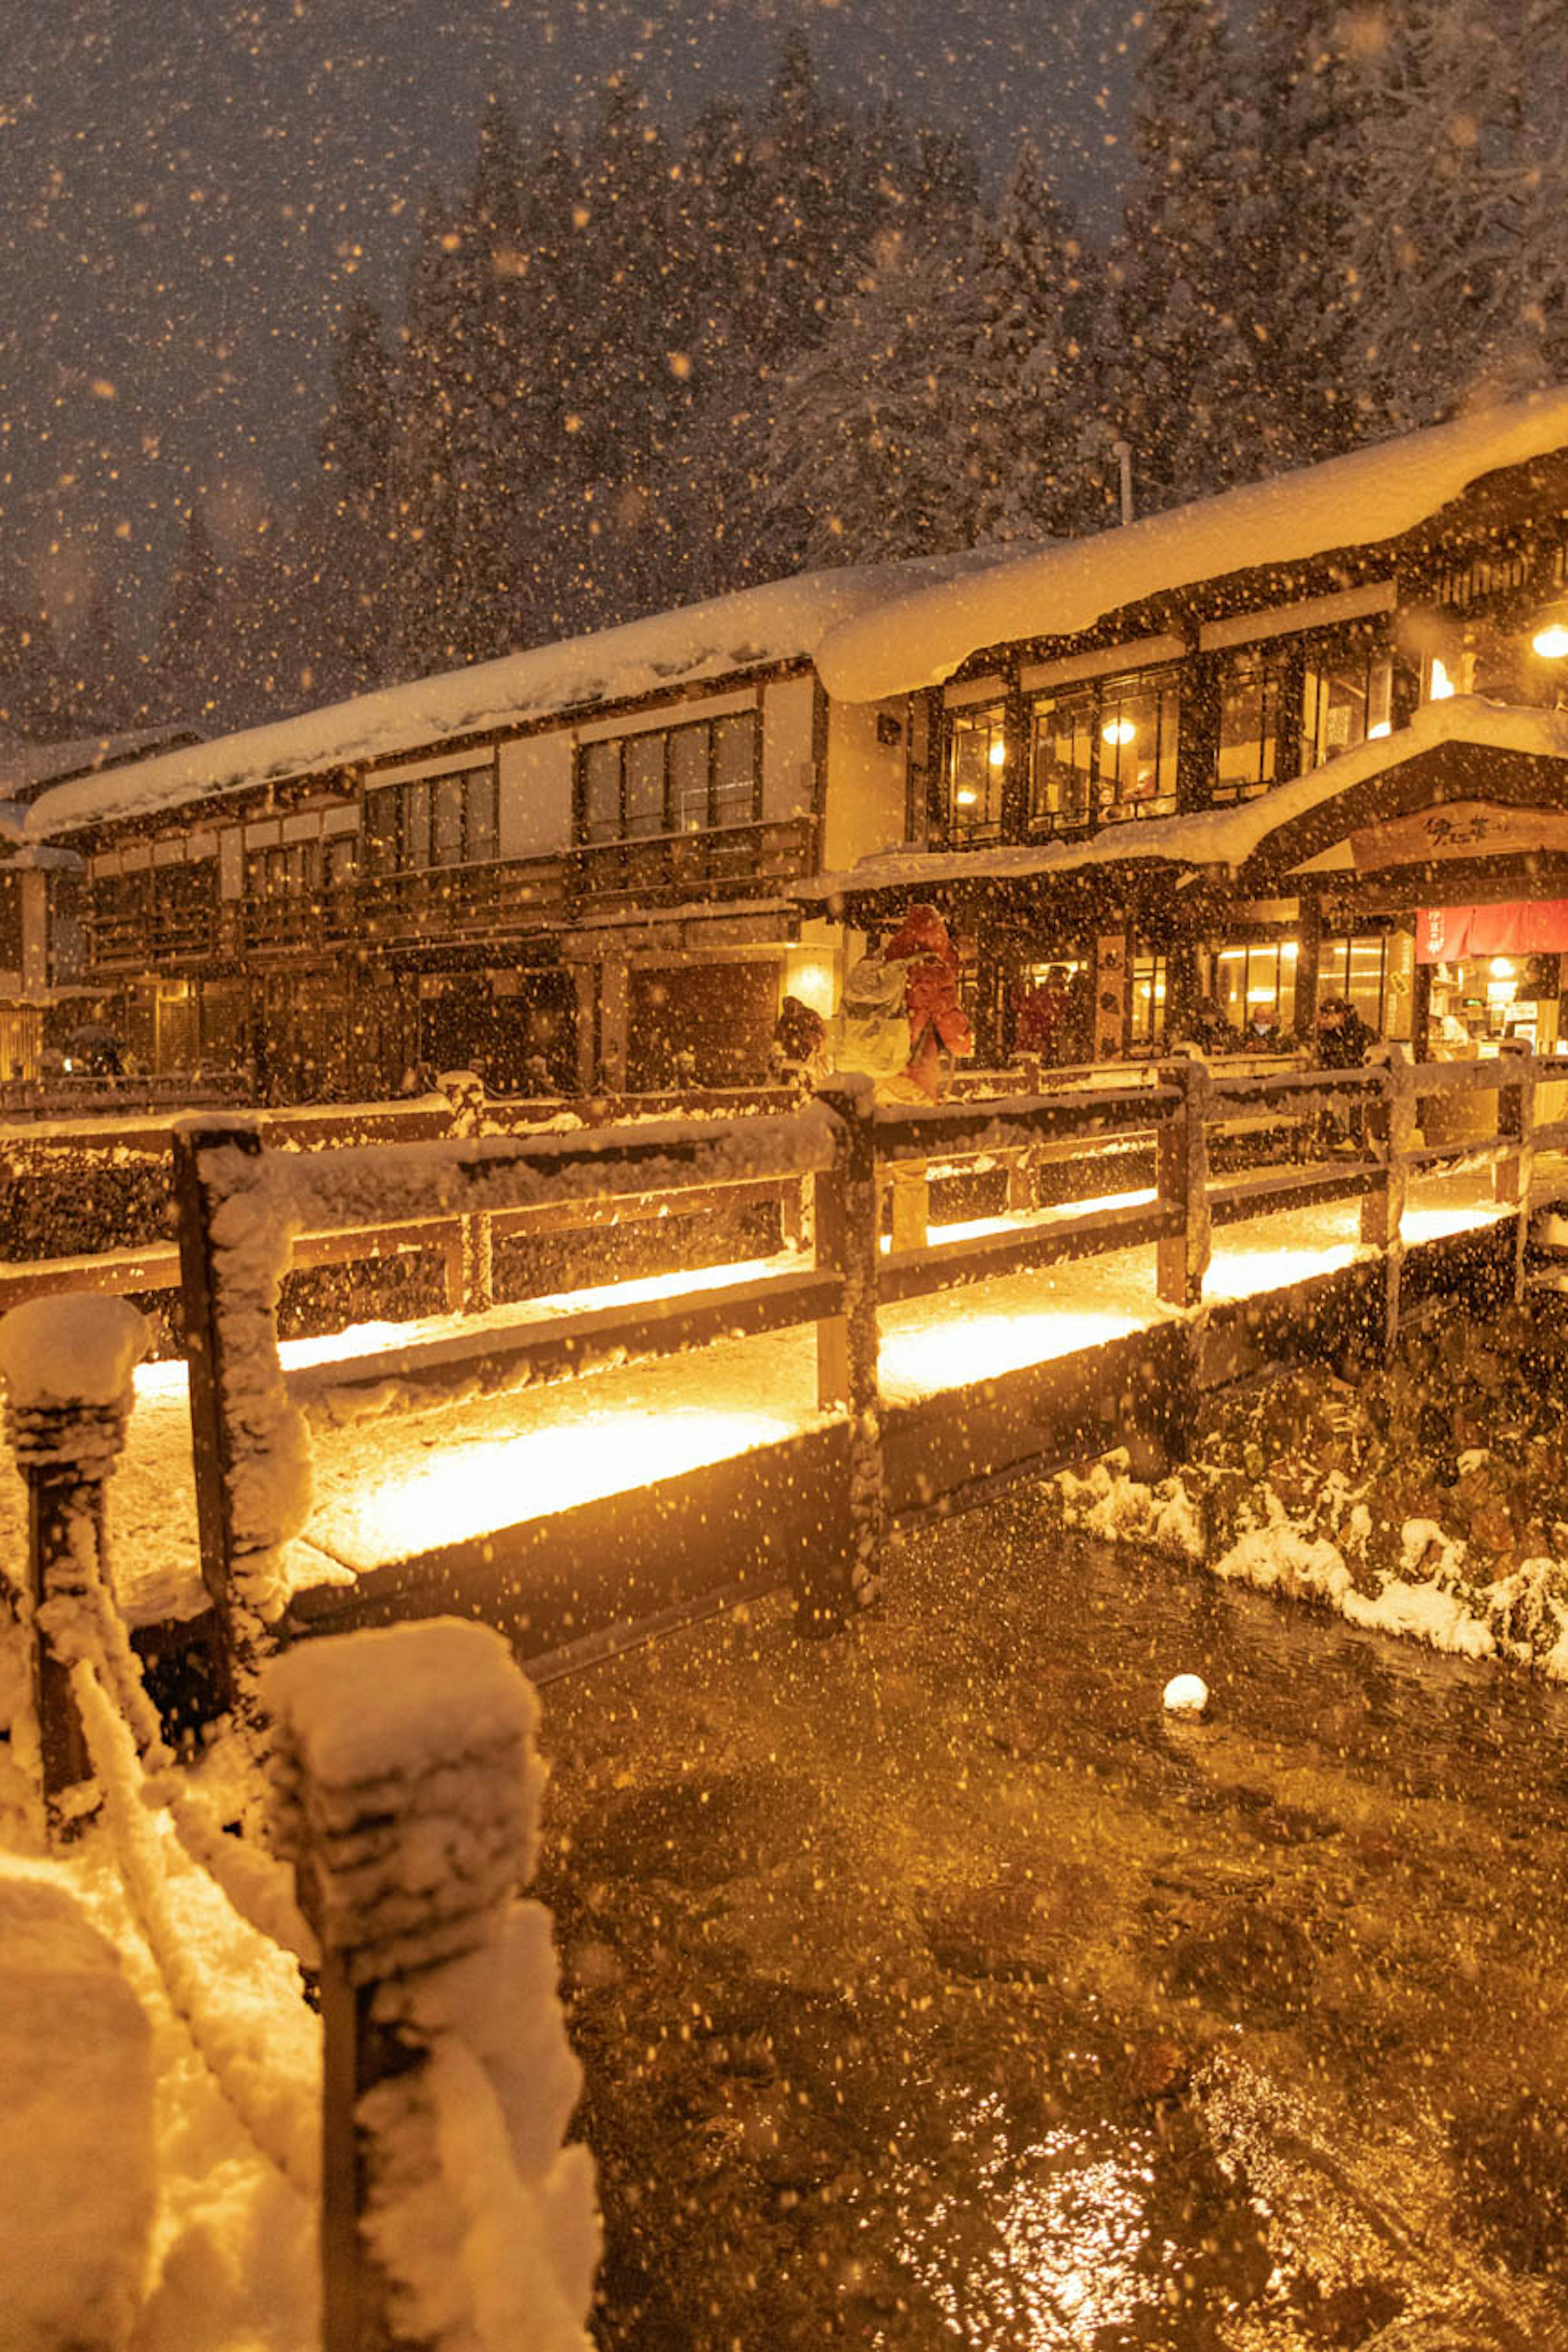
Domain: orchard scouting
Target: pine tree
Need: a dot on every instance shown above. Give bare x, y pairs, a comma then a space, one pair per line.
193, 666
1027, 351
342, 581
105, 681
1459, 180
427, 624
871, 454
1187, 381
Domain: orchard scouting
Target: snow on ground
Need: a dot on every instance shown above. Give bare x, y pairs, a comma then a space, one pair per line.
230, 2257
444, 1472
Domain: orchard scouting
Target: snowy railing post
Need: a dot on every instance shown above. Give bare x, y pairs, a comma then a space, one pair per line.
250, 1449
211, 1451
1516, 1125
1181, 1176
1391, 1134
846, 1245
470, 1259
405, 1792
67, 1366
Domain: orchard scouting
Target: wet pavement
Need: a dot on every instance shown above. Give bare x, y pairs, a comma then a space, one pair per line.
935, 1989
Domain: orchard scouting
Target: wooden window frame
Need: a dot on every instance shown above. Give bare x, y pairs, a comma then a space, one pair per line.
1166, 679
401, 792
665, 736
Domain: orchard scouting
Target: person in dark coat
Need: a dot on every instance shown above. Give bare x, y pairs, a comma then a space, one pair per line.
1342, 1036
799, 1041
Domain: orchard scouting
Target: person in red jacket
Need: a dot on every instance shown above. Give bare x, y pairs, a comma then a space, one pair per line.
939, 1026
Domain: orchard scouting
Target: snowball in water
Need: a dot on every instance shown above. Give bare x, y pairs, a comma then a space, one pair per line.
1186, 1695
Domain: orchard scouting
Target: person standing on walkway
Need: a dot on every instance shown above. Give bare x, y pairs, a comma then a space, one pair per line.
900, 1023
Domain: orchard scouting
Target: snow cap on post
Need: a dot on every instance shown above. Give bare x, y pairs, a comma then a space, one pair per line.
406, 1787
77, 1349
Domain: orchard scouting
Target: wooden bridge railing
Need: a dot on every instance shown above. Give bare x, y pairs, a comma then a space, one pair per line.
249, 1210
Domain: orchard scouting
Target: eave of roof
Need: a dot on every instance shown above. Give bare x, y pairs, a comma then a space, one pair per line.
1369, 496
1208, 838
752, 631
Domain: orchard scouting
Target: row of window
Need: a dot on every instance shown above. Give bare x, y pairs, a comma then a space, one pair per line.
439, 821
685, 778
671, 780
1106, 750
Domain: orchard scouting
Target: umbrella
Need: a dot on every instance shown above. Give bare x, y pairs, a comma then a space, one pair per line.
94, 1033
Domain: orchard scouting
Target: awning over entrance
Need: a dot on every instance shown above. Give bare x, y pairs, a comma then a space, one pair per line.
1512, 927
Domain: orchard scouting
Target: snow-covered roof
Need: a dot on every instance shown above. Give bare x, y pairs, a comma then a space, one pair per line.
1374, 494
1213, 838
756, 628
27, 768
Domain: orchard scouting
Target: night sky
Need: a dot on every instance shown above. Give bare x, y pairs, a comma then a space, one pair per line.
189, 187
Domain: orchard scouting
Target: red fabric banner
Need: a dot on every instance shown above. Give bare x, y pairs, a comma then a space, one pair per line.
1511, 927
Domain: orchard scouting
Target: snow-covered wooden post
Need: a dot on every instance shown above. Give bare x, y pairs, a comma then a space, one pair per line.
405, 1792
470, 1258
66, 1365
846, 1245
1391, 1133
1516, 1126
1181, 1175
251, 1450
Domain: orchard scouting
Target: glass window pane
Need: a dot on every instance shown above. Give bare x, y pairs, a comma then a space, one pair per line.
735, 769
380, 831
602, 792
975, 773
644, 760
1348, 698
415, 826
447, 822
689, 779
1248, 728
480, 816
1366, 989
1148, 1025
1137, 749
1063, 762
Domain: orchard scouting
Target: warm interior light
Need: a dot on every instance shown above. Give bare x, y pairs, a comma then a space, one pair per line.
1118, 730
966, 796
998, 753
1501, 968
1441, 686
811, 981
1551, 643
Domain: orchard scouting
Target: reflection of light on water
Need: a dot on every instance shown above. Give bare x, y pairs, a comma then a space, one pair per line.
979, 1346
1062, 2232
470, 1490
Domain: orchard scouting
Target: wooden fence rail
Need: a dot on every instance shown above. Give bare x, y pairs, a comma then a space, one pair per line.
845, 1147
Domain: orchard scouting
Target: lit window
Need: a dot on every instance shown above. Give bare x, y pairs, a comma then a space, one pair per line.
1251, 698
1108, 749
1347, 699
977, 761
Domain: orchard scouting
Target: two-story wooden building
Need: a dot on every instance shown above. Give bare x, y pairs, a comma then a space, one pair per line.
1299, 737
570, 868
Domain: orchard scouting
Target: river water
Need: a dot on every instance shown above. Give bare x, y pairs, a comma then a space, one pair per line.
935, 1988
